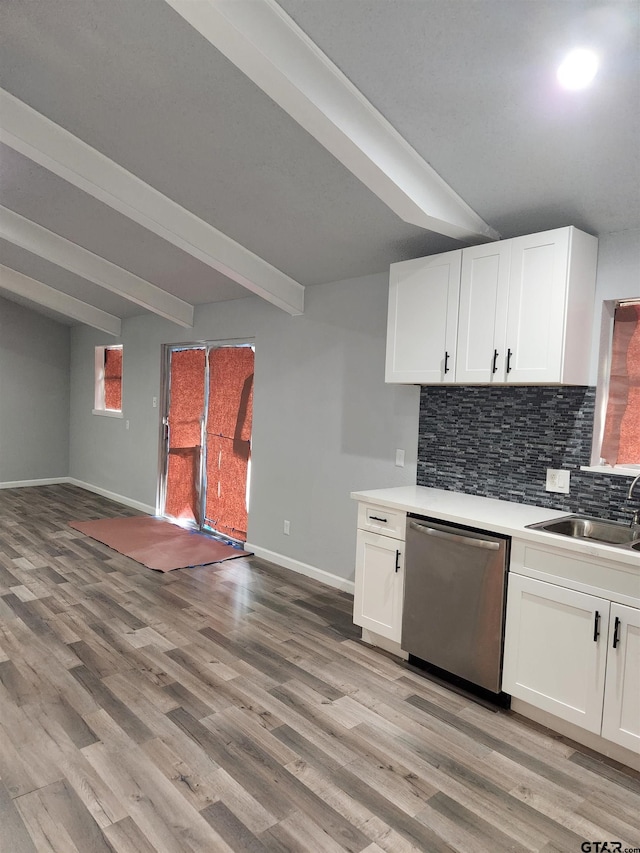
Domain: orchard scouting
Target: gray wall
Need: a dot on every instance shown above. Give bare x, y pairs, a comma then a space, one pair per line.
325, 423
34, 395
618, 277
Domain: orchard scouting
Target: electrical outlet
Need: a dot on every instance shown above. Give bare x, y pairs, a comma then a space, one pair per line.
558, 480
286, 527
399, 458
126, 424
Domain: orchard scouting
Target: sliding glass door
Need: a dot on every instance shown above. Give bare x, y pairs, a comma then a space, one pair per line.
206, 439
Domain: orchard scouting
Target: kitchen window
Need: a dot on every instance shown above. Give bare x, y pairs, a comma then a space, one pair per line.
108, 381
616, 446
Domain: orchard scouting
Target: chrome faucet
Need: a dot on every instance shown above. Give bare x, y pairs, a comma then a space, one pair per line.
635, 521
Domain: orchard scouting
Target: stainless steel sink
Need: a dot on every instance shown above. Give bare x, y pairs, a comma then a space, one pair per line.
598, 529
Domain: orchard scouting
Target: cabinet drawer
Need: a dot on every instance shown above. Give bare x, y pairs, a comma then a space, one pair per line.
378, 519
576, 571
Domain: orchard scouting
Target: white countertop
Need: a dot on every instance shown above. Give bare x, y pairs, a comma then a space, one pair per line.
490, 514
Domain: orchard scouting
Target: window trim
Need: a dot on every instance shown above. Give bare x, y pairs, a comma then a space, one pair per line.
617, 471
597, 464
99, 407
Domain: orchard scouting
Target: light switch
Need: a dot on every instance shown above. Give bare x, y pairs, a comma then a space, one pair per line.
399, 458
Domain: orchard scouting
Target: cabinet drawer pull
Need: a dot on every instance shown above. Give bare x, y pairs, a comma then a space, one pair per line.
509, 354
596, 627
494, 368
446, 362
377, 518
397, 561
616, 632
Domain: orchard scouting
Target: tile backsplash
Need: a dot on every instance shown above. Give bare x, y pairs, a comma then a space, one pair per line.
499, 442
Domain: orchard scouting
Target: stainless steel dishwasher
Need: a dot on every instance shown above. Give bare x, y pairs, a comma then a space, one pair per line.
454, 599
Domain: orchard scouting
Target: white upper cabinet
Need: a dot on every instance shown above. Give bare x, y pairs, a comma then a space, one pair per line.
484, 293
423, 319
523, 310
550, 309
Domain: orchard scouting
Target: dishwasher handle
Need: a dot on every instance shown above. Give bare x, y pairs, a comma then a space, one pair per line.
455, 537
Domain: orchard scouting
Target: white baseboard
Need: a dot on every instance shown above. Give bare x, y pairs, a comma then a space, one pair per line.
48, 481
302, 568
57, 481
112, 496
570, 730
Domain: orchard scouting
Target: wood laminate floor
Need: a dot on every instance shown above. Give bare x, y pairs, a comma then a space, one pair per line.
232, 707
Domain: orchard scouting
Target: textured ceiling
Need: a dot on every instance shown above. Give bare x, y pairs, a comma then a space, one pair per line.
471, 86
31, 265
136, 82
468, 83
48, 200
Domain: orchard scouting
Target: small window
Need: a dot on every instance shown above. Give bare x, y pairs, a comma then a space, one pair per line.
617, 433
108, 381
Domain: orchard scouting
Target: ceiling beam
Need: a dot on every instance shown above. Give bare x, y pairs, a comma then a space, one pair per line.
51, 146
21, 285
269, 47
62, 252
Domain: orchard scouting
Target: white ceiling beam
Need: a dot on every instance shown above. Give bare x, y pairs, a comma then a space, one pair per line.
54, 148
62, 252
35, 291
269, 47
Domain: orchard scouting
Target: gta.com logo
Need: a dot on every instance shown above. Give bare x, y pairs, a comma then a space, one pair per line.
607, 847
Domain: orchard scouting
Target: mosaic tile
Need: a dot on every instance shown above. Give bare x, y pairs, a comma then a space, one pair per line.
499, 442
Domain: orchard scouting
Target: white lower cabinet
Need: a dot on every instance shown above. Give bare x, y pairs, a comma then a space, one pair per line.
573, 655
379, 584
621, 716
379, 574
551, 659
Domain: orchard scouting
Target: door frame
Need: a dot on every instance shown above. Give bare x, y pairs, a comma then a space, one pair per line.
163, 439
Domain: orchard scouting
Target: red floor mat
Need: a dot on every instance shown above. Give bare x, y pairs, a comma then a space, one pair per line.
157, 543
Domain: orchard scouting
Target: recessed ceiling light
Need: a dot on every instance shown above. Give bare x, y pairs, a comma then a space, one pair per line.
578, 69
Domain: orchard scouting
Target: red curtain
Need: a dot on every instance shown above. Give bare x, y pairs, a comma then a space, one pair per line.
621, 441
186, 409
113, 379
229, 421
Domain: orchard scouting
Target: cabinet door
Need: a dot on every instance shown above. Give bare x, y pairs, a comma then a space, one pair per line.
555, 650
484, 293
621, 717
377, 602
423, 319
536, 312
